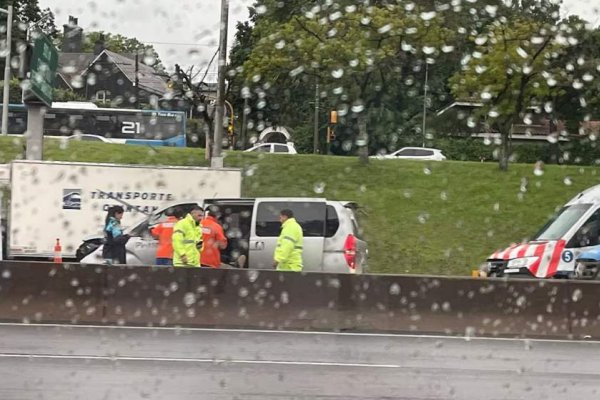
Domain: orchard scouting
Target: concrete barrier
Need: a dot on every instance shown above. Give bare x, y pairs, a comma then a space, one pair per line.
584, 309
72, 293
46, 292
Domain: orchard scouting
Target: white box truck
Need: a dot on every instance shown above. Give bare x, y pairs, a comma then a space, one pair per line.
68, 201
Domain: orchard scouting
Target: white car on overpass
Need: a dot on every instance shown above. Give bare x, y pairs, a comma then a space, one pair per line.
413, 153
276, 148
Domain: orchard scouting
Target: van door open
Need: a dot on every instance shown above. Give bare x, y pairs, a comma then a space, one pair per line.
310, 214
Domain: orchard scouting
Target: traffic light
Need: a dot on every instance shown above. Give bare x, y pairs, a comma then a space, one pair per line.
333, 117
330, 134
230, 129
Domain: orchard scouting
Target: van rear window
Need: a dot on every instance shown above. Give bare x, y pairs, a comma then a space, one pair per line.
310, 215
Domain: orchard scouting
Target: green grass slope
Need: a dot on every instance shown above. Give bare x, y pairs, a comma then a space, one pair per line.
434, 218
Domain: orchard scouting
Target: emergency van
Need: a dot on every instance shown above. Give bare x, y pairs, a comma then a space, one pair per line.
553, 251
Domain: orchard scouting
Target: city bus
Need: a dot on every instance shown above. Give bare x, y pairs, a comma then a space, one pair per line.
113, 125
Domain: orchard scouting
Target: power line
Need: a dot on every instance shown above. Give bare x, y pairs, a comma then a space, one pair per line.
183, 44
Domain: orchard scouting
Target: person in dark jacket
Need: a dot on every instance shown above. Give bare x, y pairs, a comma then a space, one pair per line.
115, 240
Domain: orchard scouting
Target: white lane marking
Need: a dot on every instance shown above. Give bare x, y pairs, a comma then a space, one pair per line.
287, 332
197, 360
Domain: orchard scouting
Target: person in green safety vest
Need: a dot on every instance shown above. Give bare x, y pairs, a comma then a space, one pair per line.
187, 239
288, 254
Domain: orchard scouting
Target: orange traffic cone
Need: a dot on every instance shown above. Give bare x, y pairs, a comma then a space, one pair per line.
57, 252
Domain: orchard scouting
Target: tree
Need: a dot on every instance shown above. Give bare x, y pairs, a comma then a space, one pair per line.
26, 13
515, 66
580, 99
363, 57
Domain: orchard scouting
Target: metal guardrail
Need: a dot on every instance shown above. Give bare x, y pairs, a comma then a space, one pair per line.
148, 296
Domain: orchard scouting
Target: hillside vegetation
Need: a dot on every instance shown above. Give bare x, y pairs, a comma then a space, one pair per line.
418, 217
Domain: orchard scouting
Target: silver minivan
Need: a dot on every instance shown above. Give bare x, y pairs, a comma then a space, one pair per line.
332, 237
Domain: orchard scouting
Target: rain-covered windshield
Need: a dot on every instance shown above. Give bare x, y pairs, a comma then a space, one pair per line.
560, 224
298, 199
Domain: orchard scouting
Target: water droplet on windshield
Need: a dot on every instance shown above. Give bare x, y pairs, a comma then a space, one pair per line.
486, 95
337, 73
385, 29
296, 71
395, 289
358, 108
189, 299
319, 188
428, 16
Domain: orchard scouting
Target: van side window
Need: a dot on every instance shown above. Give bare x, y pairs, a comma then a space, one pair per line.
589, 233
310, 215
333, 222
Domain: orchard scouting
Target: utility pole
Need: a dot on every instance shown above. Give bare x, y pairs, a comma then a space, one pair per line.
425, 100
6, 95
137, 79
217, 157
316, 127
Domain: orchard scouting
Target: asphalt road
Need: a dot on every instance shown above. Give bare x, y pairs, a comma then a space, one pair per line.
78, 362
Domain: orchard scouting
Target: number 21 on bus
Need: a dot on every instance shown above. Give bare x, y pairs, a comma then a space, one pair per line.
131, 128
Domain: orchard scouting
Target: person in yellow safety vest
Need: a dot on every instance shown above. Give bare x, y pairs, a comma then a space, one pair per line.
288, 254
187, 239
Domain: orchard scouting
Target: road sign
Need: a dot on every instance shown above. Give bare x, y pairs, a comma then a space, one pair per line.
44, 63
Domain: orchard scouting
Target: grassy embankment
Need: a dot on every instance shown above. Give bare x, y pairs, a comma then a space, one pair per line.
434, 218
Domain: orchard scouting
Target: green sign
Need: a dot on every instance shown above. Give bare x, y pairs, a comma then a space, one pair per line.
44, 62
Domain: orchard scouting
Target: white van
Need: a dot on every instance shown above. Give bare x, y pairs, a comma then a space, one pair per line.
553, 250
332, 239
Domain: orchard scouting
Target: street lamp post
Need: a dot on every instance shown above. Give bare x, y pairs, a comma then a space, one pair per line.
6, 95
217, 157
425, 99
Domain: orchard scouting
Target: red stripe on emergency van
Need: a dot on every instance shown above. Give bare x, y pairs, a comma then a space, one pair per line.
560, 246
523, 250
539, 252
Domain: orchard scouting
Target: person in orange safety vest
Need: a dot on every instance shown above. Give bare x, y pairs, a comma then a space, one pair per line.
164, 232
214, 241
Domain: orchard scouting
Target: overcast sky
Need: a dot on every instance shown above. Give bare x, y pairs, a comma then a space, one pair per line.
184, 31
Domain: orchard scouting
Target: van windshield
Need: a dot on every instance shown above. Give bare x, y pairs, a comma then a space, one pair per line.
558, 225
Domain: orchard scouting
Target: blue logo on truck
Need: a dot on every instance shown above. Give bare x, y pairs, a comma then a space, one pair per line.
71, 199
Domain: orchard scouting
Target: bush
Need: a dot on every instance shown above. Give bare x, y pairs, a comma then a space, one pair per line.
575, 152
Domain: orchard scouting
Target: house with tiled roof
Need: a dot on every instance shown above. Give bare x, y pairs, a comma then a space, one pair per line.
104, 76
